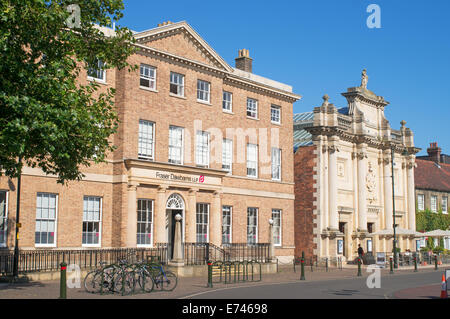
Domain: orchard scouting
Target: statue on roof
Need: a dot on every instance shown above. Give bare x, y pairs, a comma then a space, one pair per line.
364, 79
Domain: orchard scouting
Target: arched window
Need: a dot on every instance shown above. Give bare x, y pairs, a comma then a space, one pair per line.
175, 201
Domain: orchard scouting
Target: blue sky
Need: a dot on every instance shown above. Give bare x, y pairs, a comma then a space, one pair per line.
322, 46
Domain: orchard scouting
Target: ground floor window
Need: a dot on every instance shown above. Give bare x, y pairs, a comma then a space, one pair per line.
92, 220
3, 217
226, 225
252, 225
276, 217
202, 218
46, 211
144, 222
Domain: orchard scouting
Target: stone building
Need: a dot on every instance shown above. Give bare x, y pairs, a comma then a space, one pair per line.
343, 185
197, 137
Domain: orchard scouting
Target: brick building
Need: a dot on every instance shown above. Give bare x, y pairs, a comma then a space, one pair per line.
343, 185
197, 137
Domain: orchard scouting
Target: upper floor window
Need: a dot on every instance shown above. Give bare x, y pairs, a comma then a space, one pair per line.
176, 83
434, 203
203, 91
227, 154
202, 149
227, 102
445, 205
148, 77
421, 202
275, 114
252, 160
97, 71
146, 139
176, 145
252, 108
276, 164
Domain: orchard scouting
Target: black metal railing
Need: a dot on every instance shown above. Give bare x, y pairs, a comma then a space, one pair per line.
244, 252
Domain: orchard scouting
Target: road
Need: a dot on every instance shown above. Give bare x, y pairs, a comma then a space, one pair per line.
413, 285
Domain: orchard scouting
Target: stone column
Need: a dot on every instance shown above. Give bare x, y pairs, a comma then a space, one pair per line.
132, 215
332, 186
387, 173
178, 248
362, 190
160, 216
190, 216
411, 197
215, 217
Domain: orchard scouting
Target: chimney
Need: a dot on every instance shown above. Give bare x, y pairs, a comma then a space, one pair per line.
434, 152
244, 61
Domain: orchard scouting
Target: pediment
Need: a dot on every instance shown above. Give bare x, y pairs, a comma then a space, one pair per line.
181, 40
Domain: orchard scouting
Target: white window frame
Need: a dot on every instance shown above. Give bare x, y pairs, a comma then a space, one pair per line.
420, 202
197, 145
280, 212
141, 155
229, 227
278, 165
274, 107
227, 105
146, 223
444, 204
5, 219
200, 237
151, 80
203, 91
433, 206
55, 220
179, 84
252, 161
252, 108
255, 226
100, 221
100, 68
180, 147
227, 159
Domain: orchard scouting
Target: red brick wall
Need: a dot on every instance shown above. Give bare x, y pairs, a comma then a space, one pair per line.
304, 201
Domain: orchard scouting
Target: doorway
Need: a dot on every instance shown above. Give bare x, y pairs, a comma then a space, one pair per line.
175, 205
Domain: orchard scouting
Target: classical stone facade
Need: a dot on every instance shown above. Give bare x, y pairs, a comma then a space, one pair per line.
175, 110
349, 197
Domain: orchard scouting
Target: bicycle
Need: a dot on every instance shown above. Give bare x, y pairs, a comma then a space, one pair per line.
123, 278
99, 279
144, 276
166, 280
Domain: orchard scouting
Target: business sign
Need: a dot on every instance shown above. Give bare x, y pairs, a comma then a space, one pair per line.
340, 246
180, 177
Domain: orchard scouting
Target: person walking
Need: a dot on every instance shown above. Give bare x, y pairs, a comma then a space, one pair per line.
360, 251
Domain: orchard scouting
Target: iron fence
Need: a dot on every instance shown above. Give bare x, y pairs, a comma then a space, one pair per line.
315, 263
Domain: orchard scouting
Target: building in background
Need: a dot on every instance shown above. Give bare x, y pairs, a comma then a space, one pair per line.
197, 137
432, 181
343, 184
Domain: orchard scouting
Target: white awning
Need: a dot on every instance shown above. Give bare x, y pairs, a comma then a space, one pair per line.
437, 233
398, 231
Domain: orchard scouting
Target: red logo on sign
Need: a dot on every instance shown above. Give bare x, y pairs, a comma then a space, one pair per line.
201, 179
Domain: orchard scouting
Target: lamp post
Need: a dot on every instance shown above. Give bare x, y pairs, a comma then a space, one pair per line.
393, 210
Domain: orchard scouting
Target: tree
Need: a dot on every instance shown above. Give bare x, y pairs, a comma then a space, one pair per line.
47, 118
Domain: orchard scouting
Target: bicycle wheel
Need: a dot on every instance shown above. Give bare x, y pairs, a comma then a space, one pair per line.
145, 281
92, 282
168, 281
124, 283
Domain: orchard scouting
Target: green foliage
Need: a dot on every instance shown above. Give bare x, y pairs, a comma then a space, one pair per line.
47, 118
427, 221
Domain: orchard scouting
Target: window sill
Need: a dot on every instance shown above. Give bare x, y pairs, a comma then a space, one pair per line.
204, 102
253, 118
148, 89
146, 159
276, 123
178, 96
228, 112
91, 246
103, 82
45, 246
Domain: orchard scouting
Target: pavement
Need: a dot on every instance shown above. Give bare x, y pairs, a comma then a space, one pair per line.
403, 284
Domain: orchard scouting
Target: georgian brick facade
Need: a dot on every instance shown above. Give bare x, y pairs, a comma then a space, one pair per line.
121, 185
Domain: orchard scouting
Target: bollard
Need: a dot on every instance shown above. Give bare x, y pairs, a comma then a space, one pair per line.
326, 264
210, 284
415, 263
63, 282
435, 262
302, 277
390, 266
359, 267
311, 265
